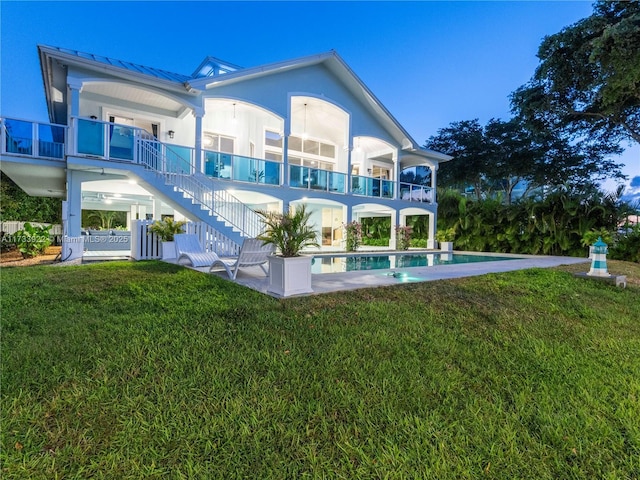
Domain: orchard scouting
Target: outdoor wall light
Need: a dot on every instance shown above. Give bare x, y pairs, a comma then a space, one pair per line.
305, 135
171, 133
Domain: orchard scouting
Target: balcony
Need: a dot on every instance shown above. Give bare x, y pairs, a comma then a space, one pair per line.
317, 179
242, 169
122, 143
416, 193
371, 187
32, 139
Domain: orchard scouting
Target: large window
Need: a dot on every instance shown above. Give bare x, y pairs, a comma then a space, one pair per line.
218, 154
217, 143
308, 162
306, 152
381, 172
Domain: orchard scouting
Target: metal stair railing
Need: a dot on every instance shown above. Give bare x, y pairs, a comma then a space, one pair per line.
183, 175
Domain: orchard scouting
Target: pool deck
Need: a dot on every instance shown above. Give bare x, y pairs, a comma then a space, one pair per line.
254, 277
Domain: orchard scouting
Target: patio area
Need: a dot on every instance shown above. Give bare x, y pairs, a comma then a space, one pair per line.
254, 277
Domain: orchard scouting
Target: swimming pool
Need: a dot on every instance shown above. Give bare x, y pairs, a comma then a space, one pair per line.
349, 263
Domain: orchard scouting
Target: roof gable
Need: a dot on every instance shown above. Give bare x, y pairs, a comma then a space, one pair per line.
212, 66
334, 63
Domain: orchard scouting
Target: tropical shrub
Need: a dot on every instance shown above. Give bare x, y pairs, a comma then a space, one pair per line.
32, 241
627, 245
375, 242
591, 237
403, 237
103, 219
554, 225
376, 227
289, 232
446, 234
166, 229
353, 236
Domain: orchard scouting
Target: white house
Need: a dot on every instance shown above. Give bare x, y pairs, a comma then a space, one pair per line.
216, 145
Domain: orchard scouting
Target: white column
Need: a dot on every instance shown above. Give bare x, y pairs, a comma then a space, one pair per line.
199, 157
431, 241
157, 209
349, 150
73, 111
434, 170
285, 150
74, 203
396, 179
349, 214
396, 219
74, 94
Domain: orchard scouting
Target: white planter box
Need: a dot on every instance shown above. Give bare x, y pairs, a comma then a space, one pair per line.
168, 250
289, 276
446, 246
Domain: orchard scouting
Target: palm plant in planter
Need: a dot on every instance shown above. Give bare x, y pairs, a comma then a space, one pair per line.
289, 272
165, 230
445, 238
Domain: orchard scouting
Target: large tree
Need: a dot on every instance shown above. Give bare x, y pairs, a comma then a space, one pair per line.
588, 79
498, 156
465, 142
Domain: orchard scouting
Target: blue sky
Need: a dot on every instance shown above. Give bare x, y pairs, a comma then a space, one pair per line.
430, 63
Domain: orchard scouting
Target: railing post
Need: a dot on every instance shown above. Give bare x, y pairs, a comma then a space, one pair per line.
3, 136
434, 170
106, 140
35, 147
71, 140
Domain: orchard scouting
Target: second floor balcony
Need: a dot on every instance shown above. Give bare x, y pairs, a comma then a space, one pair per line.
122, 143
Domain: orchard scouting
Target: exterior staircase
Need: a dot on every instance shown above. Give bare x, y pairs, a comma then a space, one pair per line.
184, 188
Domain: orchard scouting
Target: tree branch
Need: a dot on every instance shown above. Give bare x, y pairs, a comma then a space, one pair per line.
635, 135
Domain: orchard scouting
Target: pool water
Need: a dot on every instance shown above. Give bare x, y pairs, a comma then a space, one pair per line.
349, 263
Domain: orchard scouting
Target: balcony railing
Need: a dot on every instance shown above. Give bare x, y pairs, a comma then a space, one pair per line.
118, 142
317, 179
416, 193
371, 187
242, 169
32, 139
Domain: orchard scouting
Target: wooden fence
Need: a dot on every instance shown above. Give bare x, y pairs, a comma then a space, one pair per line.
146, 246
11, 227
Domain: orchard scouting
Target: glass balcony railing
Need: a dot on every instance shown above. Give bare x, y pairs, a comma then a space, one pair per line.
122, 142
177, 159
34, 139
126, 143
105, 139
90, 137
416, 193
371, 187
242, 169
317, 179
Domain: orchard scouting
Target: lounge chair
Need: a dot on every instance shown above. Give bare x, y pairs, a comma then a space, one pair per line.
188, 248
252, 253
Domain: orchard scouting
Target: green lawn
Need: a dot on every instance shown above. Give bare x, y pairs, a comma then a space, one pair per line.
148, 370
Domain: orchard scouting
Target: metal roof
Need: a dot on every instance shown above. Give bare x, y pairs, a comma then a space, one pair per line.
134, 67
